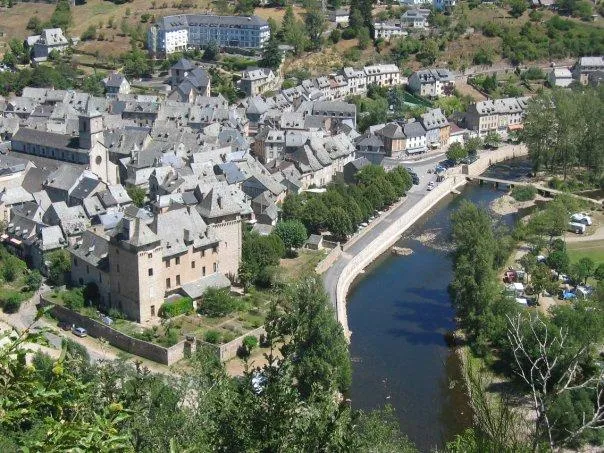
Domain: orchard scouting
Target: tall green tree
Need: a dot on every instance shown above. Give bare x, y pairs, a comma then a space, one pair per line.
315, 26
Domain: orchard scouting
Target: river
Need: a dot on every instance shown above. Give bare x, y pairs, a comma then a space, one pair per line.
399, 311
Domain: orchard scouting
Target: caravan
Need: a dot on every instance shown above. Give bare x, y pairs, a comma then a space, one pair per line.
577, 228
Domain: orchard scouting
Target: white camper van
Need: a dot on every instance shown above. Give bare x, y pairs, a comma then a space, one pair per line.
577, 228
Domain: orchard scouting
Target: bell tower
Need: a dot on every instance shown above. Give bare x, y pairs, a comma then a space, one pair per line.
90, 127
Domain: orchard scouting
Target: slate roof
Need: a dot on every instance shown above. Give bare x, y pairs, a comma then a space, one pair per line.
48, 139
92, 249
197, 288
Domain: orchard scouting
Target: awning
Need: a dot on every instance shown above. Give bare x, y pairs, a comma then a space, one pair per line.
515, 127
4, 237
15, 241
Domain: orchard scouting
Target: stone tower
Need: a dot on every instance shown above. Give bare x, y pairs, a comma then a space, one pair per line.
90, 127
135, 267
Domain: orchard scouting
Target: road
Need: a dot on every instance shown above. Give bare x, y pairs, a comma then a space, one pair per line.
331, 276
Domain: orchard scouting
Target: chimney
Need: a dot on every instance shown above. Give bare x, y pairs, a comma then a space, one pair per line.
219, 202
187, 236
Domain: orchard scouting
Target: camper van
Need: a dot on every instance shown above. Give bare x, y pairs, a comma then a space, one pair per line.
581, 217
577, 228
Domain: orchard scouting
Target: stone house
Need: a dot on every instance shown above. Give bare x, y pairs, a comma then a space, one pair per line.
432, 82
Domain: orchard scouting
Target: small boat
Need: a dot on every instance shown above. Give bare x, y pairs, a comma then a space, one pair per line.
401, 251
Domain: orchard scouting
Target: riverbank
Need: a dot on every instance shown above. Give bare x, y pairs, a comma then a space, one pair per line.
348, 266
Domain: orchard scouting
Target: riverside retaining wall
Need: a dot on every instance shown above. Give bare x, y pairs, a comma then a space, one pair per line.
391, 235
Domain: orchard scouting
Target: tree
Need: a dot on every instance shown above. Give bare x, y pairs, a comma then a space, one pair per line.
314, 214
517, 7
363, 37
217, 302
456, 152
315, 26
33, 280
61, 17
583, 269
34, 24
292, 233
599, 272
338, 222
244, 7
271, 55
553, 367
259, 253
10, 59
137, 195
559, 261
315, 337
428, 52
210, 51
492, 139
59, 264
472, 145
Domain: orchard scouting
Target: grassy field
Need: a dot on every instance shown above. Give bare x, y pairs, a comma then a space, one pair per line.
589, 249
278, 13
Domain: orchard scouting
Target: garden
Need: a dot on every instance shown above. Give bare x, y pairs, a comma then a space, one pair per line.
220, 316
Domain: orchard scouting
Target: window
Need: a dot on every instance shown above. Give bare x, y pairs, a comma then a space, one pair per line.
168, 285
215, 267
150, 255
168, 263
192, 264
215, 249
75, 262
87, 269
118, 267
203, 253
177, 280
203, 271
150, 272
177, 260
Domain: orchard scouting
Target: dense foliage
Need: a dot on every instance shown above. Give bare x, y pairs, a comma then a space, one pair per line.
564, 133
519, 340
176, 307
342, 208
259, 257
57, 405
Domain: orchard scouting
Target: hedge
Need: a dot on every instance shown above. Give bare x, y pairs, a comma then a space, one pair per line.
524, 193
176, 307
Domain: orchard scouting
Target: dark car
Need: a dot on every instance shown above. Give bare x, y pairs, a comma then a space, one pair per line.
415, 179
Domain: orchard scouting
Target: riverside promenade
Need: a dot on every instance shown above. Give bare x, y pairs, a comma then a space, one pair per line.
388, 228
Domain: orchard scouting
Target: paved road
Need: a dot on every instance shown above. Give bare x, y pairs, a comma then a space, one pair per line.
331, 276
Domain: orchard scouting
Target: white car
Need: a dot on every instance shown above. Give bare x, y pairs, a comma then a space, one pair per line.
430, 185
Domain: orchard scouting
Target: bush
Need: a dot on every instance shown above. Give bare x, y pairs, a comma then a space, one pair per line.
33, 280
523, 193
212, 336
74, 298
349, 33
11, 304
249, 343
335, 35
217, 302
89, 33
176, 307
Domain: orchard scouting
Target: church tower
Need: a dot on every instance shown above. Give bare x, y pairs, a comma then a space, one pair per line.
90, 126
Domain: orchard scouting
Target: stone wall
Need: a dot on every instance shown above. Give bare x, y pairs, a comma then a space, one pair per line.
96, 329
454, 180
151, 351
385, 241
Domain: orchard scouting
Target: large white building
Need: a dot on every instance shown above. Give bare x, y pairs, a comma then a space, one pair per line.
177, 33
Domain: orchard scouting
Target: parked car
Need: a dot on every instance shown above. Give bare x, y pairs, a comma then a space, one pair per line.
415, 179
79, 332
581, 217
430, 186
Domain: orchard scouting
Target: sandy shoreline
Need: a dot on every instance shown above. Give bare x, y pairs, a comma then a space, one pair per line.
506, 204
